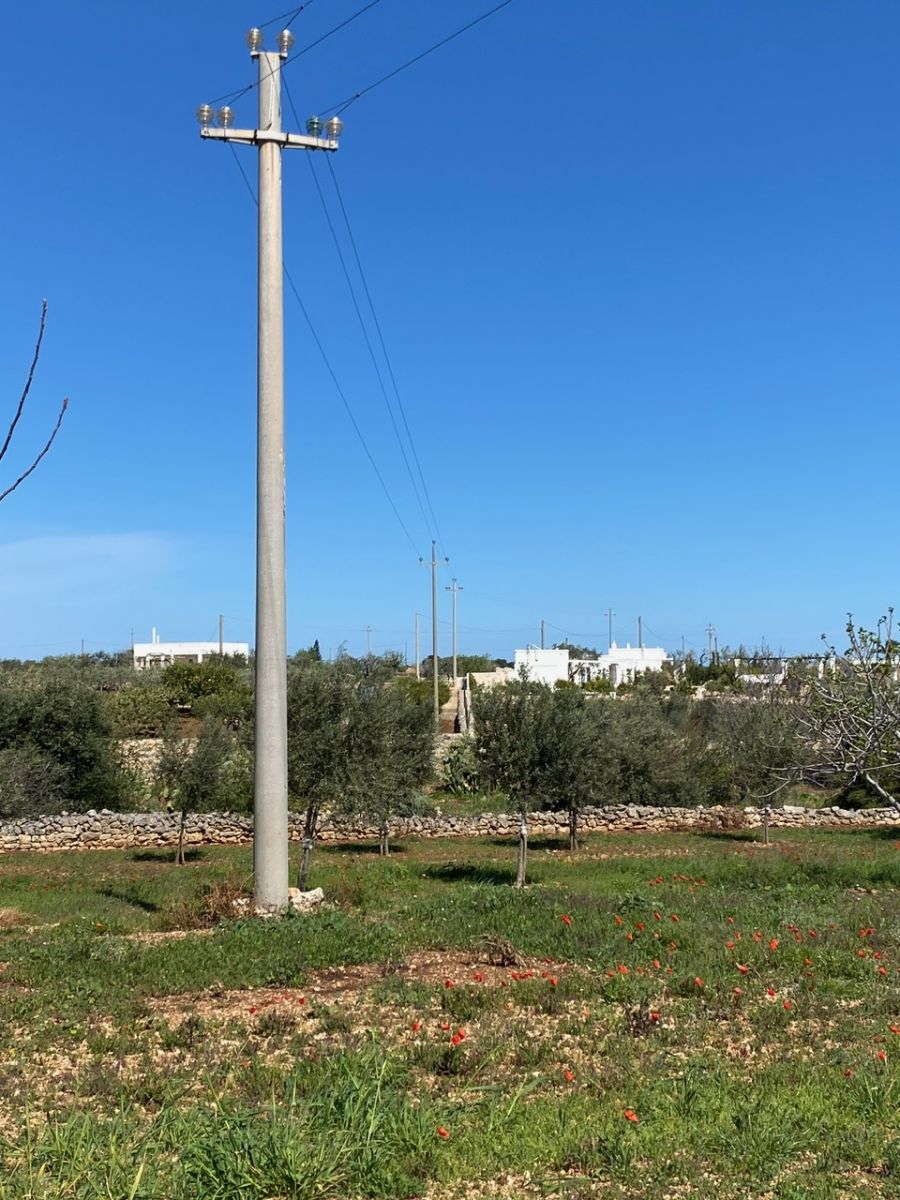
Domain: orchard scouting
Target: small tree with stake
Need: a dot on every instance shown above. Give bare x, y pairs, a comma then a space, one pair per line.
536, 745
357, 745
20, 408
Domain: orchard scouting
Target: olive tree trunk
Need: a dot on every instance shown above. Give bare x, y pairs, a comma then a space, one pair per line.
179, 849
383, 844
309, 836
573, 829
522, 857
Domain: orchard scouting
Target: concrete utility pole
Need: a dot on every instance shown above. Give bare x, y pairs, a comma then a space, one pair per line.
221, 636
434, 633
270, 820
453, 589
543, 623
710, 634
368, 641
609, 616
418, 660
640, 634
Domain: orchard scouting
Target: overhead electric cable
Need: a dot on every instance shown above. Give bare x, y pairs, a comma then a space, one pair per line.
331, 372
342, 105
295, 54
384, 351
368, 341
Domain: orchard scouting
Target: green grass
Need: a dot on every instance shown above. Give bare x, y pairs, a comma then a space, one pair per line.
312, 1057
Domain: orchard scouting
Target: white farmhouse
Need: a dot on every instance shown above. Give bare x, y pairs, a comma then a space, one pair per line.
162, 654
621, 664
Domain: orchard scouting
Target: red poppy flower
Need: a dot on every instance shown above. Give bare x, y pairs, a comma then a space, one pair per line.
448, 983
442, 1132
655, 964
640, 926
629, 937
676, 918
730, 920
252, 1010
729, 945
553, 981
478, 977
812, 933
770, 991
619, 921
787, 1006
861, 954
739, 991
568, 1076
849, 1073
657, 916
698, 981
881, 1056
882, 971
631, 1115
455, 1040
773, 944
445, 1025
895, 1028
566, 919
622, 969
743, 968
757, 936
416, 1026
654, 1015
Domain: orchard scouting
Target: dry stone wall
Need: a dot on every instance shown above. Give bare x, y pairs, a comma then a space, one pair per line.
110, 830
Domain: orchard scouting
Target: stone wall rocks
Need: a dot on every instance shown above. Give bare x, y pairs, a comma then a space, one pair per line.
110, 830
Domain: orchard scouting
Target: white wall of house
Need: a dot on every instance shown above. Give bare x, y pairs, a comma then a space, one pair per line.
156, 653
621, 664
542, 666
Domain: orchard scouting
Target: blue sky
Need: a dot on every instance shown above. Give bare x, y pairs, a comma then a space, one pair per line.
638, 270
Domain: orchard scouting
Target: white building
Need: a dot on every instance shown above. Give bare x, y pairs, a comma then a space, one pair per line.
162, 654
619, 665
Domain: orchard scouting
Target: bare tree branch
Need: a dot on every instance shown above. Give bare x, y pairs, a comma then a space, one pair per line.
21, 407
28, 381
50, 441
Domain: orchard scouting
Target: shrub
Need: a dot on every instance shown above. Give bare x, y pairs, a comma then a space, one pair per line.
31, 782
138, 710
65, 722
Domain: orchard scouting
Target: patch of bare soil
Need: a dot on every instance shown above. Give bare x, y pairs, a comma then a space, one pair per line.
10, 917
343, 985
168, 935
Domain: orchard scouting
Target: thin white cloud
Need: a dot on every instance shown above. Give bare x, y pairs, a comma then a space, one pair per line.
71, 565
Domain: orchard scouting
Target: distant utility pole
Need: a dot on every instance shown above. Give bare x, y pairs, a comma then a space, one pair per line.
221, 636
710, 634
418, 658
453, 589
434, 632
682, 647
609, 616
270, 820
543, 623
368, 641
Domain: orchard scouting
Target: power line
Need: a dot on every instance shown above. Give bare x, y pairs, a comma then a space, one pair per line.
295, 54
365, 332
384, 350
291, 15
331, 372
342, 105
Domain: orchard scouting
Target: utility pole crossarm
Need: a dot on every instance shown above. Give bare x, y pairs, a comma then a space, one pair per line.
255, 137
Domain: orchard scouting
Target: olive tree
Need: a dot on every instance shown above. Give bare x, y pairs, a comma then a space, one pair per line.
357, 746
538, 746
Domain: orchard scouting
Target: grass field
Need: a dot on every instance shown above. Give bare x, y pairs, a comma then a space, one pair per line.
687, 1016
